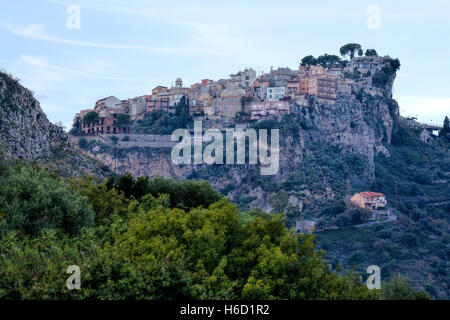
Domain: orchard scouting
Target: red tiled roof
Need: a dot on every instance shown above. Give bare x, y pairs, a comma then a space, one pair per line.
372, 194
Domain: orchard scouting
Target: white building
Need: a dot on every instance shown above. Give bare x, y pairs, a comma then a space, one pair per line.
138, 105
106, 103
275, 93
244, 78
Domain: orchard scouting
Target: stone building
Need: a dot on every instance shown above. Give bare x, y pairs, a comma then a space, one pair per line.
243, 79
226, 107
260, 109
369, 200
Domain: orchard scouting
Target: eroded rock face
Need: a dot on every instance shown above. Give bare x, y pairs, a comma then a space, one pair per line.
358, 123
27, 134
362, 128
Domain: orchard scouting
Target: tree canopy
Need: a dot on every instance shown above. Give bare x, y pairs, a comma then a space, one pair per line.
350, 49
123, 120
152, 239
91, 118
308, 61
445, 131
371, 53
329, 61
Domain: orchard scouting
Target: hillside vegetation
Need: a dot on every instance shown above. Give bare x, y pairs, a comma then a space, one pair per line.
153, 239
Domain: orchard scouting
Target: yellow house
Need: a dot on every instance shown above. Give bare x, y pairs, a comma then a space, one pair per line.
369, 200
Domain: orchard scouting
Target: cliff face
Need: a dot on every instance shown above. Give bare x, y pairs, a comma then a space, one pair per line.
359, 123
27, 134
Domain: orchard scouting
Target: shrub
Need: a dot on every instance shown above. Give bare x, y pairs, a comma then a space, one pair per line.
409, 239
83, 143
384, 234
399, 288
33, 200
343, 220
334, 208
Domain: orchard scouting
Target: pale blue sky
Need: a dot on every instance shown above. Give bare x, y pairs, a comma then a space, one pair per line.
125, 48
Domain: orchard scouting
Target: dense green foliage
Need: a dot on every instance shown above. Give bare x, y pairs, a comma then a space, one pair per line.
158, 239
308, 61
123, 120
32, 200
91, 118
350, 49
445, 131
76, 129
327, 61
417, 244
156, 122
371, 53
162, 122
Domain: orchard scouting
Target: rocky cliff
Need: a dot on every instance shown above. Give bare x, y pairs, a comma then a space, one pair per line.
27, 134
357, 126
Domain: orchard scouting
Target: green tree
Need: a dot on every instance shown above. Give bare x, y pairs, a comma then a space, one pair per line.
123, 120
32, 200
279, 201
182, 113
399, 288
83, 143
76, 129
371, 53
329, 61
445, 131
349, 50
125, 184
91, 118
308, 61
107, 202
395, 64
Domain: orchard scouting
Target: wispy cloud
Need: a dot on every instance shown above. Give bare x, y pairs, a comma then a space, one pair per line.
84, 69
36, 31
210, 33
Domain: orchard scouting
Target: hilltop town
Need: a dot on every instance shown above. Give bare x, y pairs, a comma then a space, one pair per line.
245, 96
346, 153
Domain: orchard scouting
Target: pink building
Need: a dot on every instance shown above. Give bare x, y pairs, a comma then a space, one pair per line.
268, 109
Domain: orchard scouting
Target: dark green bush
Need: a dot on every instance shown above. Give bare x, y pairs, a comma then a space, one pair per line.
32, 200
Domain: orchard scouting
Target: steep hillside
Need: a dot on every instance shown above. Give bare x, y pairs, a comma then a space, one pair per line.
352, 131
27, 134
416, 179
329, 151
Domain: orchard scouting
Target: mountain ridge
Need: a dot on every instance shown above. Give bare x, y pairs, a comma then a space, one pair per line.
26, 134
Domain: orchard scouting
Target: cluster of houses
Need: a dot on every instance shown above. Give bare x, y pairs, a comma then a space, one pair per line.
243, 97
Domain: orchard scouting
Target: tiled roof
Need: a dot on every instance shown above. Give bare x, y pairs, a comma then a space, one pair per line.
372, 194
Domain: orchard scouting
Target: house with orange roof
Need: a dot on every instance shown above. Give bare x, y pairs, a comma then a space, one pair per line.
369, 200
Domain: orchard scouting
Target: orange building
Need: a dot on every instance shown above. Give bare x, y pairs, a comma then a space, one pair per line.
369, 200
321, 85
157, 103
159, 90
105, 125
